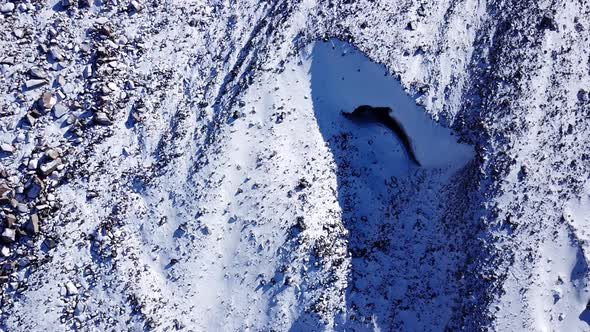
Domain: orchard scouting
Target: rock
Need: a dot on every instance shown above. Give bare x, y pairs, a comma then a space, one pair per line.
55, 54
30, 119
102, 119
101, 20
71, 288
34, 83
5, 251
9, 60
47, 100
59, 110
10, 220
547, 23
302, 184
105, 30
50, 243
34, 188
33, 164
21, 207
32, 226
583, 96
5, 193
19, 33
51, 154
7, 8
66, 3
8, 235
60, 94
8, 148
71, 119
134, 6
49, 167
4, 188
60, 81
88, 71
411, 26
37, 72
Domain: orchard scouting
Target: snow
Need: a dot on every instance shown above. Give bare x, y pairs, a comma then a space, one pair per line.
577, 214
342, 79
229, 225
556, 295
244, 200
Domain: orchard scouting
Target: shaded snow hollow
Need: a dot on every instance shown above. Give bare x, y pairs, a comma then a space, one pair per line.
342, 78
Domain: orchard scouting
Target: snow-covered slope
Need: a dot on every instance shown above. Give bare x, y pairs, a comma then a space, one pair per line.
186, 165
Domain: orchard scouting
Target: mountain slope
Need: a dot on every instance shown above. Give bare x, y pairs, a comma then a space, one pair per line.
190, 167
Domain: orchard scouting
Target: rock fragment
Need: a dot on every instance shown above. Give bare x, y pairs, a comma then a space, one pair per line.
19, 33
50, 243
60, 81
49, 167
102, 119
47, 100
10, 220
6, 193
88, 71
8, 148
38, 73
134, 6
34, 187
71, 119
30, 118
33, 164
411, 26
547, 23
52, 32
4, 188
55, 54
8, 235
7, 8
105, 30
52, 154
34, 83
59, 110
583, 96
9, 60
32, 226
71, 289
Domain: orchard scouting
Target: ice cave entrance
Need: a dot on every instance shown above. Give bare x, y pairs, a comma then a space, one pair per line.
343, 78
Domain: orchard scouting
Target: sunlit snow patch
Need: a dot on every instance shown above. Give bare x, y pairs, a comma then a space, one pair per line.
557, 296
